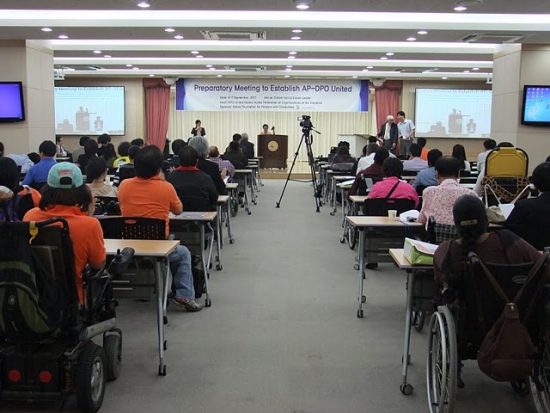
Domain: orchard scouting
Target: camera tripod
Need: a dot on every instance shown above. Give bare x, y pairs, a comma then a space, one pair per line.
306, 137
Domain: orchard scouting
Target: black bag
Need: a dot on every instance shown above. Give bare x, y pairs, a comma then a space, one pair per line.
199, 281
14, 210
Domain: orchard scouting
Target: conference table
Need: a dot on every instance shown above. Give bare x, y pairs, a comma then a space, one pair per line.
158, 250
247, 174
224, 202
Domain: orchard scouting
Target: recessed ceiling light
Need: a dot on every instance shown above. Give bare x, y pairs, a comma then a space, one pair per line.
219, 76
287, 76
365, 70
178, 37
411, 39
390, 54
151, 75
63, 36
354, 77
288, 70
370, 67
297, 31
460, 7
383, 58
129, 65
194, 52
288, 66
466, 71
212, 68
292, 53
107, 55
422, 32
302, 6
135, 68
444, 78
292, 57
144, 4
208, 65
295, 38
199, 56
475, 68
97, 51
46, 29
169, 30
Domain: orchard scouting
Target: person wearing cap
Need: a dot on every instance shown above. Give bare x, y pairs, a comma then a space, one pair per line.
65, 195
500, 247
388, 134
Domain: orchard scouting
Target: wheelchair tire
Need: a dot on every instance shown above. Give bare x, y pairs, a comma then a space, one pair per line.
540, 379
419, 318
91, 378
441, 367
112, 344
234, 207
352, 237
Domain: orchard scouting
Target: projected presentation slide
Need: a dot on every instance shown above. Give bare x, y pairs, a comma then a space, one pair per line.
537, 105
453, 113
89, 110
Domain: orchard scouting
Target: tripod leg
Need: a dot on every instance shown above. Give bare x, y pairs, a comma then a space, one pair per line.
278, 204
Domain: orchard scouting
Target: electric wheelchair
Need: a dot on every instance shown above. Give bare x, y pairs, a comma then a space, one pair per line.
47, 350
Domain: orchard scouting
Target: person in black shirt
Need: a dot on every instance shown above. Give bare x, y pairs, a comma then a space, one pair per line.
90, 151
235, 155
174, 161
247, 146
198, 130
103, 140
201, 146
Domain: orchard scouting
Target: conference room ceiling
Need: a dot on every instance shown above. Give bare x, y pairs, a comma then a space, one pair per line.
339, 44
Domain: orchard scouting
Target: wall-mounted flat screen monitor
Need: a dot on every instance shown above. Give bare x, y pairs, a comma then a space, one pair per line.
453, 113
536, 105
12, 108
90, 110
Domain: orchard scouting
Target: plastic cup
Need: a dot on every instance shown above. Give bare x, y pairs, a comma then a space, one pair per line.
392, 214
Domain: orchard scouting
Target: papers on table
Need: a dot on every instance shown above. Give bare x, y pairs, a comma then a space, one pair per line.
409, 216
506, 209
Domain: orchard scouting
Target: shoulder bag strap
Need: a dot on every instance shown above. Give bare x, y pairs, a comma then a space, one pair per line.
495, 284
393, 189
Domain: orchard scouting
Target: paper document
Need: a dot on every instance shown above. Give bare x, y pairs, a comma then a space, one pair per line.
506, 209
192, 215
407, 216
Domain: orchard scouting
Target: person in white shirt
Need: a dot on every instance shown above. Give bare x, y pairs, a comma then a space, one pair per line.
488, 145
405, 129
368, 160
415, 164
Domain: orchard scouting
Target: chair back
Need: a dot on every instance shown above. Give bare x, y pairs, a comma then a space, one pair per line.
196, 204
133, 228
409, 173
126, 172
380, 206
438, 233
107, 205
366, 184
507, 162
342, 166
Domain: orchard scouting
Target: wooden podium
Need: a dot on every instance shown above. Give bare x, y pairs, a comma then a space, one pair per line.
274, 149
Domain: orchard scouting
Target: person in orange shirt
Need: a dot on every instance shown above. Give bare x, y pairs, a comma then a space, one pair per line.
65, 195
16, 206
422, 143
148, 195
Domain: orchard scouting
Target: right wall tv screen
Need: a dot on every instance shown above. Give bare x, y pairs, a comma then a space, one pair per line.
536, 105
453, 113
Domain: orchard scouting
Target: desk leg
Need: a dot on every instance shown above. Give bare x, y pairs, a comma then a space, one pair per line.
218, 245
344, 204
361, 297
334, 191
219, 220
252, 193
260, 174
229, 229
159, 278
205, 265
246, 206
405, 387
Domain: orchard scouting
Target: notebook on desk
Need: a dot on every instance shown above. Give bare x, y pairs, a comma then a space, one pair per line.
192, 215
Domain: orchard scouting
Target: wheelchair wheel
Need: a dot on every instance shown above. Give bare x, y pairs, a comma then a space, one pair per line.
112, 345
90, 378
441, 369
234, 207
418, 320
540, 379
352, 237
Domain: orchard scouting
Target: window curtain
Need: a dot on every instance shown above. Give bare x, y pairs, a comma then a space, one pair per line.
157, 111
386, 99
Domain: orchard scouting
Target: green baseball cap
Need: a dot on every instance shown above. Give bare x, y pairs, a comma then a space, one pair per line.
65, 175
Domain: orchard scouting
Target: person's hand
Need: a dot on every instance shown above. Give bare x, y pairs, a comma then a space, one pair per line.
223, 173
162, 176
172, 169
393, 145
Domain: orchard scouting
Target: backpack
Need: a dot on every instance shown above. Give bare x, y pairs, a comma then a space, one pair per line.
13, 210
507, 350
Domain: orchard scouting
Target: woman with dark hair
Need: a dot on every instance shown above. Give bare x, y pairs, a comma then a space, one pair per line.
65, 195
96, 172
109, 155
15, 206
501, 247
103, 140
90, 151
459, 152
343, 156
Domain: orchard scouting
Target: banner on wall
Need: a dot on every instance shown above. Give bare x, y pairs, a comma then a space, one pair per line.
272, 95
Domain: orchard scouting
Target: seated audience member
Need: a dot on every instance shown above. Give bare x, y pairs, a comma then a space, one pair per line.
533, 212
415, 164
109, 155
426, 177
343, 156
122, 154
148, 195
237, 137
21, 160
90, 151
226, 168
501, 247
548, 159
201, 146
140, 143
356, 164
127, 170
424, 153
14, 205
102, 141
96, 172
392, 185
236, 156
65, 195
247, 146
194, 187
460, 153
80, 150
438, 201
38, 174
60, 150
374, 171
488, 146
177, 145
368, 160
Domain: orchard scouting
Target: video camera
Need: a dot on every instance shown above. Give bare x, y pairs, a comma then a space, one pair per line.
305, 122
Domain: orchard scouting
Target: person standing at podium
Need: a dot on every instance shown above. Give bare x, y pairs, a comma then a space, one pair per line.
198, 130
265, 130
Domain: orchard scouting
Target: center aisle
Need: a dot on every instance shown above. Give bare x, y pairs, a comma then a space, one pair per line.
282, 333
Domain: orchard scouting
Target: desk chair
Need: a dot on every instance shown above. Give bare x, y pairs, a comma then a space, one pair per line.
107, 205
438, 233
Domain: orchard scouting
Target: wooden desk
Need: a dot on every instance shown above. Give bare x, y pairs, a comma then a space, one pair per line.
335, 185
352, 210
246, 173
159, 250
383, 234
224, 206
231, 186
257, 160
405, 265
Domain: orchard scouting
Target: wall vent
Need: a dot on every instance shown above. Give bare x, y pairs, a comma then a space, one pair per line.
233, 35
492, 38
245, 68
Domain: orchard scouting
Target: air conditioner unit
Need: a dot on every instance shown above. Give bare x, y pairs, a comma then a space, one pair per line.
245, 68
58, 74
493, 38
170, 80
233, 35
378, 82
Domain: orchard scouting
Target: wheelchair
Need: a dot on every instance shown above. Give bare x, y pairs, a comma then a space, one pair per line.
47, 350
458, 327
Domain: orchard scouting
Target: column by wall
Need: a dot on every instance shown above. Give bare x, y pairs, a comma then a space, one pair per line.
32, 64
